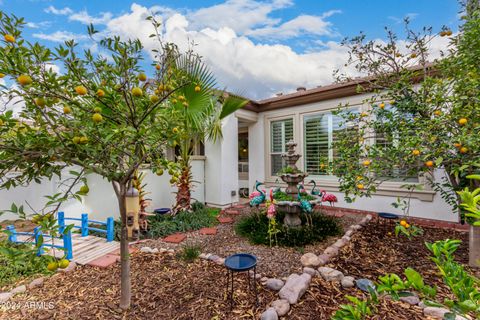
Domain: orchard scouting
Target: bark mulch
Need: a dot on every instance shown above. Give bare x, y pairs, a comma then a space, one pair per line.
163, 287
272, 261
374, 252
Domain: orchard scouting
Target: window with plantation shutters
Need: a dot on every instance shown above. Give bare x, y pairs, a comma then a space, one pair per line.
281, 132
319, 136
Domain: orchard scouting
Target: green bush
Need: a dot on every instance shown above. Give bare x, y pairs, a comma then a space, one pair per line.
164, 225
18, 261
282, 196
190, 252
255, 229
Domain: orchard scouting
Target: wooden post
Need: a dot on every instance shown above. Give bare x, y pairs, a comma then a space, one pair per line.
110, 229
67, 245
37, 232
12, 237
84, 224
61, 221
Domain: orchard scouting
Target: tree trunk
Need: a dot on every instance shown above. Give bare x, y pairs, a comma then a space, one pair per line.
125, 292
474, 247
184, 196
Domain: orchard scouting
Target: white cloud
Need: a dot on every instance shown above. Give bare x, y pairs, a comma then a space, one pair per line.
60, 36
85, 18
38, 25
64, 11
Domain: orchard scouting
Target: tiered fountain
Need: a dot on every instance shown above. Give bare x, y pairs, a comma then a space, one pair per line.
293, 208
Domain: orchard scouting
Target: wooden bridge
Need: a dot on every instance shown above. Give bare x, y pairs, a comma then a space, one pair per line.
81, 248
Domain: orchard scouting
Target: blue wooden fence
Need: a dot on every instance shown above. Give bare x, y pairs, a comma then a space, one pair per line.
67, 238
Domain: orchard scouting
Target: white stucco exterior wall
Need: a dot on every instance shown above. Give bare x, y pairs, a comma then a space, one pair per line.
221, 166
101, 201
257, 151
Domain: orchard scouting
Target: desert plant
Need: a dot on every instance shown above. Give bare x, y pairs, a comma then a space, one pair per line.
190, 251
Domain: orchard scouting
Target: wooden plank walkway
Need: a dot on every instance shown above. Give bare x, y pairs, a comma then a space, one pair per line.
85, 249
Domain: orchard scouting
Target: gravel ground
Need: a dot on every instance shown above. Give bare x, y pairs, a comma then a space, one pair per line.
272, 261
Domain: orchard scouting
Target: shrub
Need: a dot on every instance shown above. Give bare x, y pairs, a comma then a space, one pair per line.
190, 252
164, 225
255, 229
282, 196
18, 261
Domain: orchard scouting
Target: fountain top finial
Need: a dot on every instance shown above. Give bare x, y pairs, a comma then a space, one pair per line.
291, 157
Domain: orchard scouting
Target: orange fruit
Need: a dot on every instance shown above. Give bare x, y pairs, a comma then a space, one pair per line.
448, 33
398, 55
463, 150
62, 264
381, 105
366, 163
462, 121
407, 226
413, 55
443, 33
197, 88
157, 67
76, 140
2, 75
100, 93
403, 223
161, 88
67, 110
97, 118
416, 152
181, 98
392, 102
360, 186
81, 90
24, 80
154, 98
9, 38
437, 112
175, 130
83, 140
52, 266
41, 102
429, 163
142, 77
137, 92
364, 114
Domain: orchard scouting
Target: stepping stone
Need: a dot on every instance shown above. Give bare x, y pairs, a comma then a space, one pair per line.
208, 231
224, 219
232, 211
175, 238
105, 261
239, 206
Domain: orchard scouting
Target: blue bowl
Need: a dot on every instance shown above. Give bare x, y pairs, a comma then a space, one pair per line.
241, 262
162, 211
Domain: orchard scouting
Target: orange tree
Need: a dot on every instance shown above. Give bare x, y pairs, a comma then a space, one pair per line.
100, 115
423, 118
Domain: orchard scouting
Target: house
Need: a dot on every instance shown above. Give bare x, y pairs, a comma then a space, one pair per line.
253, 140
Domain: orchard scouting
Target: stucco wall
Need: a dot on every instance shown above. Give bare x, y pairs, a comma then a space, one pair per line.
101, 201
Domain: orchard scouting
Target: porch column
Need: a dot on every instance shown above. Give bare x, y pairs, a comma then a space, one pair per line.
221, 166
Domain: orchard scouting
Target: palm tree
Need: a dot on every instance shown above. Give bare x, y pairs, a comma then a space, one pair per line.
197, 109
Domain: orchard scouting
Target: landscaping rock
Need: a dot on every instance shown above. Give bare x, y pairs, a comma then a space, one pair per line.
356, 227
331, 251
170, 251
154, 250
19, 289
146, 250
274, 284
220, 261
348, 282
330, 274
36, 283
5, 296
310, 271
349, 233
295, 287
213, 258
281, 307
163, 250
201, 256
435, 312
71, 267
412, 300
263, 279
310, 260
364, 284
269, 314
324, 258
346, 238
340, 243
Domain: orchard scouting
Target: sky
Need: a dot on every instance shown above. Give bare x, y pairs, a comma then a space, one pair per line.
256, 48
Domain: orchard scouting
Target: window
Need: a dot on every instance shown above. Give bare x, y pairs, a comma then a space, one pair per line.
280, 133
387, 140
319, 135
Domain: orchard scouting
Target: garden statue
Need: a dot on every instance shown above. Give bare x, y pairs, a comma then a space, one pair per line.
257, 197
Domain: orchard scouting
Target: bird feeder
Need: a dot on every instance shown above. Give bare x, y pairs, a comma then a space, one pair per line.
132, 205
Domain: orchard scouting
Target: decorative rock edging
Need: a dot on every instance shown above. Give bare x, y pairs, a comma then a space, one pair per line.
296, 285
35, 283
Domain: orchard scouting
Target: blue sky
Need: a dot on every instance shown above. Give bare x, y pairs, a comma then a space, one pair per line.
256, 47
